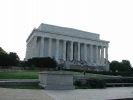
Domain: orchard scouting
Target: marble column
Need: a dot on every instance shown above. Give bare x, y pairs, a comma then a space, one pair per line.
85, 52
71, 51
42, 47
91, 53
106, 54
102, 55
64, 50
35, 47
28, 50
78, 51
57, 50
50, 47
74, 51
106, 57
97, 56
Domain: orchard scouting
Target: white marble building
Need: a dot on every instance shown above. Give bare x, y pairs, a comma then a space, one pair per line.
67, 45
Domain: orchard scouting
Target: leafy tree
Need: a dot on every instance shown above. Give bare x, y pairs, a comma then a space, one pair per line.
123, 66
126, 66
114, 66
10, 59
43, 62
14, 58
2, 51
4, 59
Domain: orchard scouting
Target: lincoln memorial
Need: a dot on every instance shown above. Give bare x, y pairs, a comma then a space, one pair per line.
67, 45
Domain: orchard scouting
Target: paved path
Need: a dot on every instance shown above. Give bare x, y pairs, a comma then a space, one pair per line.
23, 94
93, 94
78, 94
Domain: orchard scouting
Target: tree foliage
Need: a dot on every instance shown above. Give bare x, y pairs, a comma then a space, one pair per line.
114, 66
14, 58
43, 62
2, 51
10, 59
126, 65
123, 66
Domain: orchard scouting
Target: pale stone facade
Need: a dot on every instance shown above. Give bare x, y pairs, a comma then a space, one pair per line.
56, 80
67, 45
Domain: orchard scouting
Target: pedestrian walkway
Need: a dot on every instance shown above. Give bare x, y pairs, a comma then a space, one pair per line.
93, 94
23, 94
77, 94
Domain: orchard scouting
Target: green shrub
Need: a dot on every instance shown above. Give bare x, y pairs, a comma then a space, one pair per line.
90, 83
96, 83
80, 84
10, 59
103, 72
43, 62
119, 80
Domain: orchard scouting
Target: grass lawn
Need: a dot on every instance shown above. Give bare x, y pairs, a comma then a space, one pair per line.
19, 75
34, 75
95, 76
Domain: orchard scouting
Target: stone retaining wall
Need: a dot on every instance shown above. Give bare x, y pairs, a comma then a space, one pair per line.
14, 82
55, 80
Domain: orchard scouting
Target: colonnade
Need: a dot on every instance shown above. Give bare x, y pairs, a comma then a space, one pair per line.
69, 50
